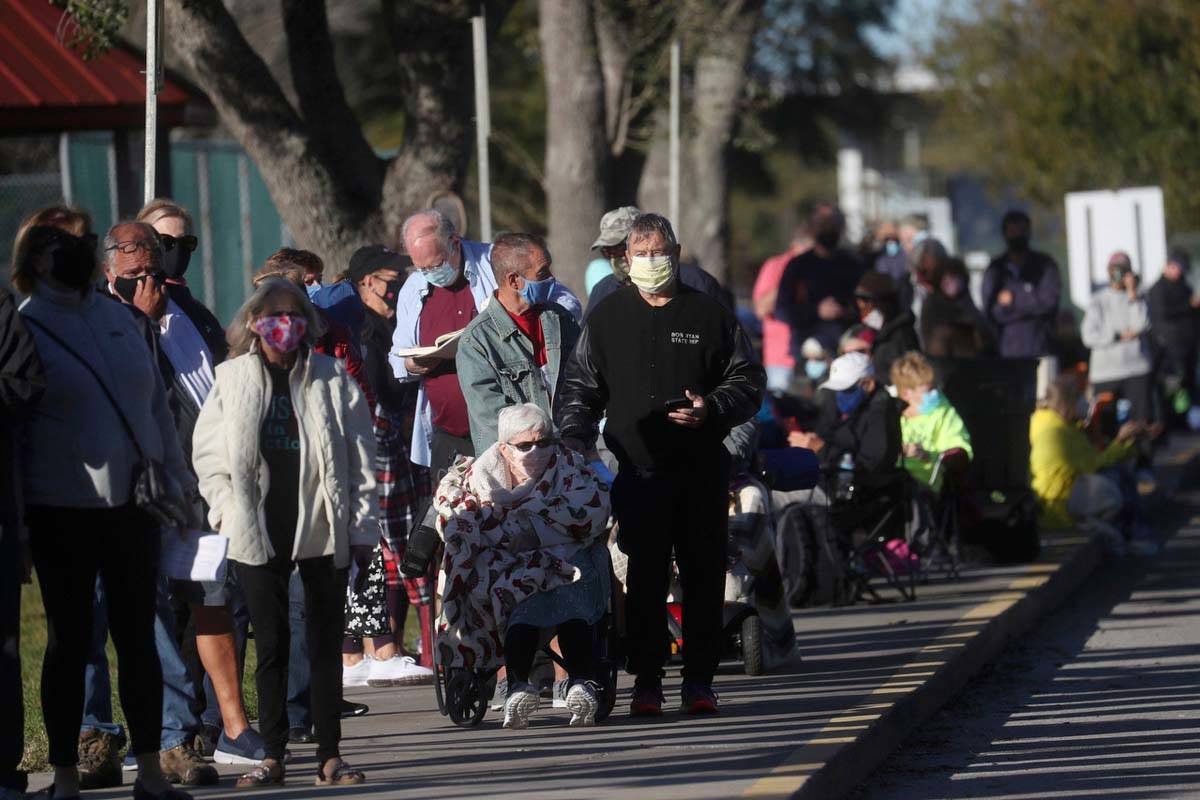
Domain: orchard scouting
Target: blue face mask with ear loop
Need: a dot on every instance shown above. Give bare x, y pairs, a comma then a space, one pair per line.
849, 400
929, 402
536, 292
816, 369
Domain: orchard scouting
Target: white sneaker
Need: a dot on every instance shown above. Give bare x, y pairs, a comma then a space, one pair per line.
582, 703
521, 703
358, 674
398, 671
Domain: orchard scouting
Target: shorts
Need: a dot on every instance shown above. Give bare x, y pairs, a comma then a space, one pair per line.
213, 594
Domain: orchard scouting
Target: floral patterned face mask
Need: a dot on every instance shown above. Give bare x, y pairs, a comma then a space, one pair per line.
281, 332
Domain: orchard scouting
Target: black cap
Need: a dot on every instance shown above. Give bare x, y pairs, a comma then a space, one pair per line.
373, 258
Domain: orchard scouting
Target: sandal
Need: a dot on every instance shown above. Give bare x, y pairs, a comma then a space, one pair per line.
264, 774
343, 775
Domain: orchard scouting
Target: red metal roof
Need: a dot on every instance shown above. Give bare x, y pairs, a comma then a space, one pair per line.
46, 86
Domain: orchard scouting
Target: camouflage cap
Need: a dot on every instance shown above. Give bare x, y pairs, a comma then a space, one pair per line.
615, 225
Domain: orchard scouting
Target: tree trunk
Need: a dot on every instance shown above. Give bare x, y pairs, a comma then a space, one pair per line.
718, 79
576, 143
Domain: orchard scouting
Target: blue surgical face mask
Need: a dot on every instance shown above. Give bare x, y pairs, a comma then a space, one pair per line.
892, 247
816, 370
442, 275
848, 400
929, 402
536, 292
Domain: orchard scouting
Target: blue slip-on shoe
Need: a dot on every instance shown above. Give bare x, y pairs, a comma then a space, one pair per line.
249, 748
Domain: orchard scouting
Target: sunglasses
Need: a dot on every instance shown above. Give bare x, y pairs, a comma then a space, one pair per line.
132, 246
189, 243
525, 447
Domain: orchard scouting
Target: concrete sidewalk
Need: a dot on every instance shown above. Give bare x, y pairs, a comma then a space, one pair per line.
868, 672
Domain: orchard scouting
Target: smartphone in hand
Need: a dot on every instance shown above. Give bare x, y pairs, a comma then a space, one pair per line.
678, 404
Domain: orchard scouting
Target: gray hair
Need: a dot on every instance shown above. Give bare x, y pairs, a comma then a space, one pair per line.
520, 418
648, 225
111, 240
241, 337
444, 228
511, 252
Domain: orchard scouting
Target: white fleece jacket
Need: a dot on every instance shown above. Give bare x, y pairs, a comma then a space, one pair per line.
337, 457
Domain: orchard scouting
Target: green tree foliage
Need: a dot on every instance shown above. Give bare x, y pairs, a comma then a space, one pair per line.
1070, 95
92, 25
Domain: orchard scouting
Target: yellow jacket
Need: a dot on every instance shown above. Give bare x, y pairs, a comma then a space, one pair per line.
1059, 453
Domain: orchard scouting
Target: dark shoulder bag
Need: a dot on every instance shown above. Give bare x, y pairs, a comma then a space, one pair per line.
150, 489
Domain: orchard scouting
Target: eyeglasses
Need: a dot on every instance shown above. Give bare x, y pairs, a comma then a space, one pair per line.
189, 243
525, 447
132, 246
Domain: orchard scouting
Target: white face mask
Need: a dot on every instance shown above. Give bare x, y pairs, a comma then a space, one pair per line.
529, 465
651, 274
874, 320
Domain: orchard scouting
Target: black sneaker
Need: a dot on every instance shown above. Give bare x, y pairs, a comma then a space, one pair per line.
354, 709
301, 735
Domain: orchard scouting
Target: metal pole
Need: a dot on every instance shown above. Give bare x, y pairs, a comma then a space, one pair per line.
483, 124
154, 10
673, 182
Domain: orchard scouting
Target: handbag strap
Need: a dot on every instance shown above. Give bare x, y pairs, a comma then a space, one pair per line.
100, 381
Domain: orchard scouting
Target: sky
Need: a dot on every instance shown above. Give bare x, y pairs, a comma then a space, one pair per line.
913, 27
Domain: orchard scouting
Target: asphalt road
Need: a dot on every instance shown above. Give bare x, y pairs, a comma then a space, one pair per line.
1101, 700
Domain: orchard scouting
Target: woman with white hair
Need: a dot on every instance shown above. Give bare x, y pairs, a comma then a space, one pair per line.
524, 526
284, 453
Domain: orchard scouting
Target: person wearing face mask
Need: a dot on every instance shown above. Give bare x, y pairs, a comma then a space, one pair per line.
451, 279
856, 417
614, 228
284, 454
951, 325
1116, 329
515, 350
104, 412
929, 425
674, 373
525, 521
1021, 292
879, 309
816, 291
890, 257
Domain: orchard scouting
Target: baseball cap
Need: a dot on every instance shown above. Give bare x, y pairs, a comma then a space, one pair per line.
615, 225
375, 257
848, 370
812, 349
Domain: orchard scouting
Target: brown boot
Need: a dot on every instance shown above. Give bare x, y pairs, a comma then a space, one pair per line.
99, 760
183, 765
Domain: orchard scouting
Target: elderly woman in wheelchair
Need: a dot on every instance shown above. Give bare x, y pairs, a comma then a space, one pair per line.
524, 527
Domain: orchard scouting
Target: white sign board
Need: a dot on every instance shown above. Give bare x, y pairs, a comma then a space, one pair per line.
1101, 223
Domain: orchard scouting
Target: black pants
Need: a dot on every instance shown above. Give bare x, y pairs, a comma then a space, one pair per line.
575, 639
444, 450
70, 547
688, 510
12, 730
1138, 391
266, 591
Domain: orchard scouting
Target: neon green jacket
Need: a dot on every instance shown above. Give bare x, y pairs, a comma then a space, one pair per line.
938, 431
1059, 453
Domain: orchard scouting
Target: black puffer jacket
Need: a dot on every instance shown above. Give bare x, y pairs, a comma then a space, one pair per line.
894, 339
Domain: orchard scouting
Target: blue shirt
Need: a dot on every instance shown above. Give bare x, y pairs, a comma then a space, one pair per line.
341, 303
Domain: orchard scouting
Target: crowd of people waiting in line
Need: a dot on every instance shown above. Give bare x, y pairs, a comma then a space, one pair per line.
458, 381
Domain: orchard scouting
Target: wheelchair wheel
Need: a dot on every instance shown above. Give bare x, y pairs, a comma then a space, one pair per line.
752, 654
607, 696
466, 703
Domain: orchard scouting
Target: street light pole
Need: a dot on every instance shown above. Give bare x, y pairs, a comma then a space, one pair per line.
673, 181
154, 12
483, 124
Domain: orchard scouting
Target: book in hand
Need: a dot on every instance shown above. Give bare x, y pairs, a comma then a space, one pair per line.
196, 556
444, 347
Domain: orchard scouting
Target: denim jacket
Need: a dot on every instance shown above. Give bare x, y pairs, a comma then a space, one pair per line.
477, 267
497, 368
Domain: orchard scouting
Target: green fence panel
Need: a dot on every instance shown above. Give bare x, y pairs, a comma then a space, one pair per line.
224, 210
91, 180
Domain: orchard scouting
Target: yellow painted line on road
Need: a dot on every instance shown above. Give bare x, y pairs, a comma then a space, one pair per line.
787, 778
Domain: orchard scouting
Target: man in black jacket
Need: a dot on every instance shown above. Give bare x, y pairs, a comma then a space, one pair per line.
857, 418
21, 383
673, 372
1175, 322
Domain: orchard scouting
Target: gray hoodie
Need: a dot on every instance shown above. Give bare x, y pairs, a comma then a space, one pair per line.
1110, 314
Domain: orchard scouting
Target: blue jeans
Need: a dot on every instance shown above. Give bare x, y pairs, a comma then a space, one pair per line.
179, 722
298, 710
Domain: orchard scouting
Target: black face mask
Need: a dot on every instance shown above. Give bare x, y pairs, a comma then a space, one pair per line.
391, 294
126, 288
73, 263
1017, 244
829, 239
175, 262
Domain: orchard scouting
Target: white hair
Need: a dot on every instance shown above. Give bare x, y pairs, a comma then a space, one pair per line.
444, 228
520, 418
